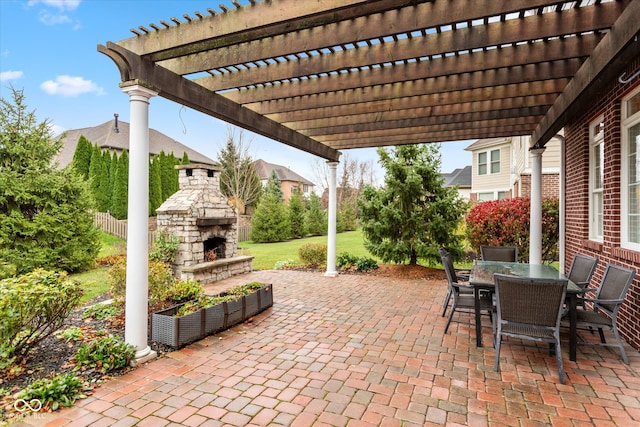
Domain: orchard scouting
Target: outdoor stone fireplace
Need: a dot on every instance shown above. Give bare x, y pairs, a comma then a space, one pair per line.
205, 223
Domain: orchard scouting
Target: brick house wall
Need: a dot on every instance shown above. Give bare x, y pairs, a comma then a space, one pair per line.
577, 198
550, 185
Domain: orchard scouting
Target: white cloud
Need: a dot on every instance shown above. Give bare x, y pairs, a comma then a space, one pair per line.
70, 86
10, 75
58, 4
49, 19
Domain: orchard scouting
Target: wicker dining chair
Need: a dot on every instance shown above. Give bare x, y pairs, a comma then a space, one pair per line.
463, 297
529, 309
457, 275
602, 311
580, 273
499, 253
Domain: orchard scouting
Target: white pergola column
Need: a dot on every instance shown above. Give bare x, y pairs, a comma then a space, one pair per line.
331, 238
535, 220
137, 297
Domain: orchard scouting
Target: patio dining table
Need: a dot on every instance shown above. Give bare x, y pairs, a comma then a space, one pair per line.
481, 278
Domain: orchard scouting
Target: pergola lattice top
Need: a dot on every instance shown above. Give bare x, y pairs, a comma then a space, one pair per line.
336, 74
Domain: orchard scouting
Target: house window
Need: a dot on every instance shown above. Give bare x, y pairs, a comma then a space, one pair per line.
489, 162
596, 178
492, 195
630, 130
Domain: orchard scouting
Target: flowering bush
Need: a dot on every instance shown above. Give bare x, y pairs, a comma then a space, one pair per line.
506, 223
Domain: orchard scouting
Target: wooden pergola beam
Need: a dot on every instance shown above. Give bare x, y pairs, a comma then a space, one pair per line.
137, 70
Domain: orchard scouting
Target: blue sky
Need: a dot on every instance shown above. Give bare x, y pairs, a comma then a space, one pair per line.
48, 48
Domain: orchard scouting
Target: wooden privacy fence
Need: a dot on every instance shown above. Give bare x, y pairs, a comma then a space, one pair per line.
109, 224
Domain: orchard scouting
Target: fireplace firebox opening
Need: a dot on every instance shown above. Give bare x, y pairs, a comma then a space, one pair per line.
214, 248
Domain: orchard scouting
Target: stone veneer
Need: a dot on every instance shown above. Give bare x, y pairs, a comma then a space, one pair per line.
199, 215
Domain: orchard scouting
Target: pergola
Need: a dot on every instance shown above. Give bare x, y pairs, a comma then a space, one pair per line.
329, 75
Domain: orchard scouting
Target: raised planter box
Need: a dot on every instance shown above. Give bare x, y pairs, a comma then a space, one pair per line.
178, 331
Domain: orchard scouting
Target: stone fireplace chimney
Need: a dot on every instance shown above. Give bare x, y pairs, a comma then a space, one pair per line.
205, 223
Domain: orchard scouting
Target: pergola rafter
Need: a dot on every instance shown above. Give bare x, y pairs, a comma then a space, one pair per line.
335, 74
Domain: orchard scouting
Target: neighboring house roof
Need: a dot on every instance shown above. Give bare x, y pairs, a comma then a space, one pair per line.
486, 142
106, 136
264, 169
460, 177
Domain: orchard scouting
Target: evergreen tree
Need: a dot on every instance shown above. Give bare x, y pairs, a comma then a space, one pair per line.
174, 184
97, 175
112, 177
82, 157
316, 221
185, 158
413, 215
155, 185
119, 201
274, 186
45, 213
296, 214
348, 216
270, 222
166, 175
105, 182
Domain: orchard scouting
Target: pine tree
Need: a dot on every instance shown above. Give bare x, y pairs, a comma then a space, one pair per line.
112, 177
296, 214
185, 158
105, 182
274, 186
45, 213
166, 175
270, 222
413, 215
119, 201
316, 219
97, 181
173, 162
82, 157
155, 185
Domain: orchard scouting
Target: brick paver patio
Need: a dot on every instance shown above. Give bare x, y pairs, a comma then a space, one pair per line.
359, 351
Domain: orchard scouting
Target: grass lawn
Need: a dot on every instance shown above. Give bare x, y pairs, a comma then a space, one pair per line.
96, 281
267, 254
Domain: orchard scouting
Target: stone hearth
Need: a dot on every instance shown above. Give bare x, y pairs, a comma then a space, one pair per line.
205, 223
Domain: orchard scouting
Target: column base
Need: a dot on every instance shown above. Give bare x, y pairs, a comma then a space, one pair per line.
145, 355
331, 274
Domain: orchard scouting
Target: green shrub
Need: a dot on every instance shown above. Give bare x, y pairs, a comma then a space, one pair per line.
313, 253
32, 307
161, 281
165, 247
106, 354
61, 390
7, 270
100, 311
185, 290
366, 264
346, 262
